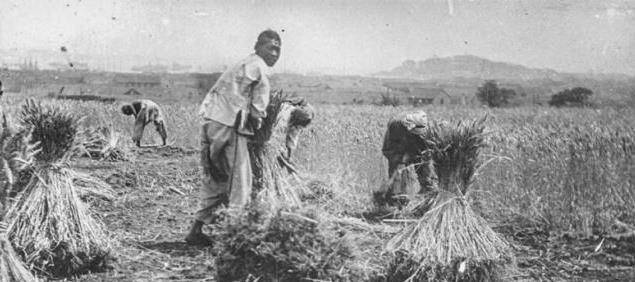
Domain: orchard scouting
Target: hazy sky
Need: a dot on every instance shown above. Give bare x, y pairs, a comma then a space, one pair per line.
334, 36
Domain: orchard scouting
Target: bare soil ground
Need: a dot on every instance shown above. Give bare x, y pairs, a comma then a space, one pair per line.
157, 195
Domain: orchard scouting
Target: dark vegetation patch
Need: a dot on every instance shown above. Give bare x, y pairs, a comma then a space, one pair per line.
95, 98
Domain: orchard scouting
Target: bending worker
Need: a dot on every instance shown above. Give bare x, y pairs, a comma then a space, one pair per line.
145, 112
403, 143
231, 111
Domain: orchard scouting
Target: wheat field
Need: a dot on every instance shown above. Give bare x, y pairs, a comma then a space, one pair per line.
572, 169
565, 170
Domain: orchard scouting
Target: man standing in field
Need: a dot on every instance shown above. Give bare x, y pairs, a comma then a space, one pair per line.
231, 111
145, 112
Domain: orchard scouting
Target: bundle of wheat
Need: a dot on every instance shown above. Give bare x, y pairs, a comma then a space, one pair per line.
52, 227
258, 245
273, 183
454, 152
102, 143
15, 155
449, 241
48, 224
11, 267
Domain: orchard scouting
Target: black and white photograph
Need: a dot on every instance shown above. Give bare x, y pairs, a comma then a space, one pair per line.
317, 140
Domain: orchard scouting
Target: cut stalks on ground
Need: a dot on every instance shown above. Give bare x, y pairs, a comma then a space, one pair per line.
102, 143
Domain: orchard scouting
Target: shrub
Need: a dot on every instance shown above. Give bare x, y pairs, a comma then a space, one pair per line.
389, 100
96, 98
575, 97
492, 96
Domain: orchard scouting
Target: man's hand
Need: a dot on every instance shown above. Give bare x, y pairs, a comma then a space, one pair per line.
296, 101
255, 122
137, 141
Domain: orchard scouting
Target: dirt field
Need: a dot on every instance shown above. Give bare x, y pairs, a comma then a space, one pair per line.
149, 219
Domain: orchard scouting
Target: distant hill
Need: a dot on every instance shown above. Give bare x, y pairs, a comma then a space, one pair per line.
467, 72
467, 66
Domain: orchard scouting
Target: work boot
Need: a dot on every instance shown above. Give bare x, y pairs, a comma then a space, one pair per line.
196, 236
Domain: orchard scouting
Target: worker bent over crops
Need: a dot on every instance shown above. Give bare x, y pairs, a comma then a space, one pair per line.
145, 112
404, 144
300, 117
233, 108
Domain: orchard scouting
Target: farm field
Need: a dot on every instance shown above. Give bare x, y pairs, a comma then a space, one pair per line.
557, 183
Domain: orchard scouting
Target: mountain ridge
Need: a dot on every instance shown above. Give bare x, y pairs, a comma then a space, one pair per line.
471, 66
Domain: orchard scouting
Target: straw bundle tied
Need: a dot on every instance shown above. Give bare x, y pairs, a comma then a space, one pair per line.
15, 154
454, 151
11, 267
52, 227
102, 143
273, 182
449, 242
48, 224
448, 234
260, 245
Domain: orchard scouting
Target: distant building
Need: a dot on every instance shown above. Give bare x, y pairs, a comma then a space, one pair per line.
29, 65
132, 92
418, 93
205, 81
137, 80
461, 95
150, 68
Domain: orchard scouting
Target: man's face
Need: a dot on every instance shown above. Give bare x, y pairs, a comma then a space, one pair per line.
269, 52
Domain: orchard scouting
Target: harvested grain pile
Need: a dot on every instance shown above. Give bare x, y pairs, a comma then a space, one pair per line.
15, 155
447, 238
454, 151
49, 226
102, 143
282, 246
52, 227
11, 267
449, 242
274, 180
